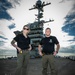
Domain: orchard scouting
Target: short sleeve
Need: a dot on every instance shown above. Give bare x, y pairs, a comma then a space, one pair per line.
56, 40
16, 38
41, 42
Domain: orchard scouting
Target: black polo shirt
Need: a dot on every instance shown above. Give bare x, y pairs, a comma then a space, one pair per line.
22, 41
48, 44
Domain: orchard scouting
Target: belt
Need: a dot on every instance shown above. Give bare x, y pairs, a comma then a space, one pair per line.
25, 49
47, 53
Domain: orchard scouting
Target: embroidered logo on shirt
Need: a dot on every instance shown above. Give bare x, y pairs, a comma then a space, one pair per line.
50, 40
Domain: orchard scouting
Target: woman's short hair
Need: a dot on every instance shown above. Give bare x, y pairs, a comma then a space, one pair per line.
26, 26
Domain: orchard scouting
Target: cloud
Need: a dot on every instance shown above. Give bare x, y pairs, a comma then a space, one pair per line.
69, 24
5, 15
1, 33
2, 43
6, 18
14, 2
72, 40
65, 0
3, 37
11, 26
4, 6
2, 40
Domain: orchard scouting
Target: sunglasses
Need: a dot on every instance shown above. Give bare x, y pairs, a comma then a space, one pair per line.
25, 28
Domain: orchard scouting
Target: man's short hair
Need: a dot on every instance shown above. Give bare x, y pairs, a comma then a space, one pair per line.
48, 28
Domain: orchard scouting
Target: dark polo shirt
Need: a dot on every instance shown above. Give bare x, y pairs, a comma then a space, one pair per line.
22, 41
48, 44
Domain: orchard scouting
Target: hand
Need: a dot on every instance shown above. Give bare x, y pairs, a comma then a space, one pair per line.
19, 49
29, 49
40, 53
55, 53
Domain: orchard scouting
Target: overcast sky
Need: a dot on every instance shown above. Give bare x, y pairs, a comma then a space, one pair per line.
15, 13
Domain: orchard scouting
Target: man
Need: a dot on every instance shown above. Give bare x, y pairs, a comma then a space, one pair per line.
23, 47
48, 52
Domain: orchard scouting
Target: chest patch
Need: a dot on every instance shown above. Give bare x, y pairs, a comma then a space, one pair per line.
50, 41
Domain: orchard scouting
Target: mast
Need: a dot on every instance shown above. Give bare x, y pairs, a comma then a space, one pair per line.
39, 5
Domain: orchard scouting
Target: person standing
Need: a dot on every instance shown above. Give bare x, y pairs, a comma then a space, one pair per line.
47, 51
23, 47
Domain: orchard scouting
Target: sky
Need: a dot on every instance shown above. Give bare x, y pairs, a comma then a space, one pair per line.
14, 14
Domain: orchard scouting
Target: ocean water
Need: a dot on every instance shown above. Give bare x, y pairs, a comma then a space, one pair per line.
65, 54
8, 53
13, 53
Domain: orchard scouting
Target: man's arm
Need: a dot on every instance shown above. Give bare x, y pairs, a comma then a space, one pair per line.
57, 49
13, 44
40, 50
30, 47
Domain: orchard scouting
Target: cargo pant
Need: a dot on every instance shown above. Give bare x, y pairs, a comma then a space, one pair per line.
48, 59
22, 63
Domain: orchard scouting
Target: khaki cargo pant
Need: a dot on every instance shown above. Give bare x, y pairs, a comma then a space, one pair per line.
22, 63
48, 59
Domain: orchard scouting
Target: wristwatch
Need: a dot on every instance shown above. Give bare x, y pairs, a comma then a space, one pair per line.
56, 51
